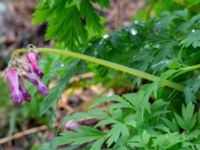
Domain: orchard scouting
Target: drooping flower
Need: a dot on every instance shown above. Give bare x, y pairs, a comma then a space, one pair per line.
35, 80
13, 80
42, 89
25, 93
32, 58
24, 68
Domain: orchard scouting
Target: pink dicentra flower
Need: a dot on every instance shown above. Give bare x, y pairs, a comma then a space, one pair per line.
25, 93
24, 69
42, 89
35, 80
32, 58
13, 80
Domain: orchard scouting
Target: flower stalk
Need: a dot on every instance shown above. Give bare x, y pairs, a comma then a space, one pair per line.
108, 64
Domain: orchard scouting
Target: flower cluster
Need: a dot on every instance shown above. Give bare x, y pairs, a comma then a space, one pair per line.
24, 68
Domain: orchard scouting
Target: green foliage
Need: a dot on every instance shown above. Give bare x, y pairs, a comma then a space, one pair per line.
188, 119
84, 135
71, 22
163, 40
192, 39
135, 123
92, 20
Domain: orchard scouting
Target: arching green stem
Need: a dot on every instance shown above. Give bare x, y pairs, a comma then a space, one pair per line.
186, 69
108, 64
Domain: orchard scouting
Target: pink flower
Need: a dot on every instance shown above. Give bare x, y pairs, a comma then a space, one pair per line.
42, 89
13, 80
34, 79
32, 58
19, 69
25, 93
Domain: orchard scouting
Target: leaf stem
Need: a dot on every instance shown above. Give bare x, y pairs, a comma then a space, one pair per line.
186, 69
190, 68
108, 64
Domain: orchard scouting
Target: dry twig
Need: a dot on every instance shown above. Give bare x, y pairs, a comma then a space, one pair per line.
24, 133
